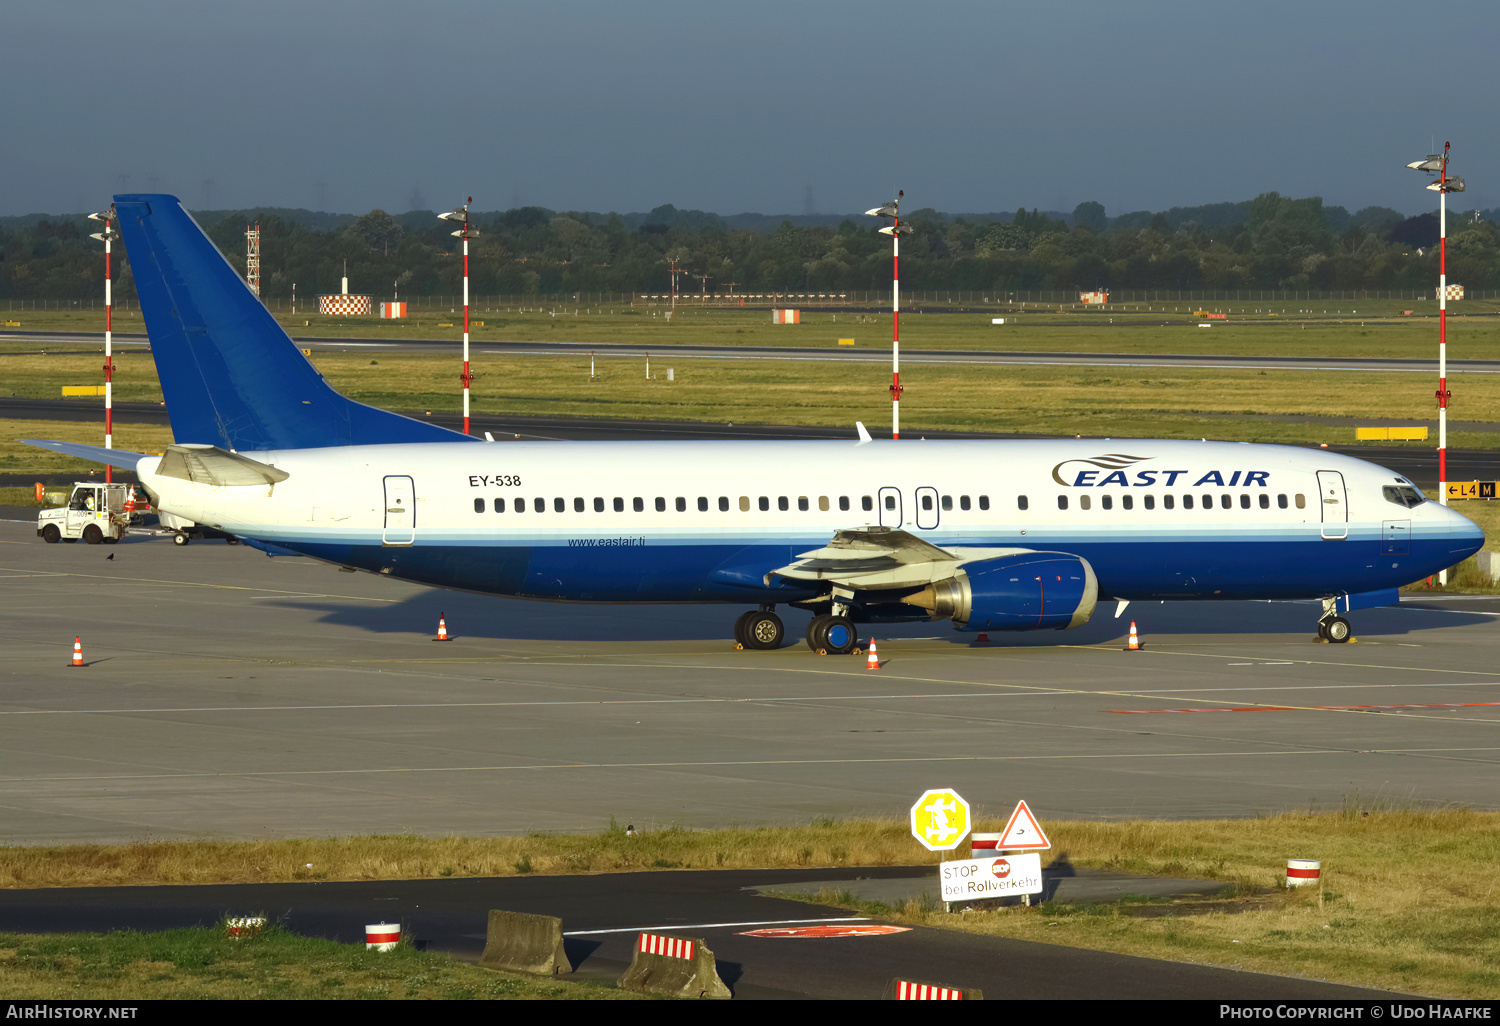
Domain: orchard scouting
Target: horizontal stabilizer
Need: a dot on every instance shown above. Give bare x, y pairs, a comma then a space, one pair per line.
210, 465
122, 458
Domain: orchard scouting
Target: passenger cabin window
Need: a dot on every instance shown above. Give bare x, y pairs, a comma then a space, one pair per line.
1281, 502
744, 504
661, 504
765, 504
1150, 501
559, 505
1301, 501
844, 503
1107, 502
1084, 502
723, 504
639, 504
802, 504
681, 504
1226, 500
984, 502
598, 504
1021, 502
1168, 502
927, 503
578, 504
866, 503
540, 505
963, 502
947, 503
499, 505
619, 504
782, 504
1062, 502
703, 504
890, 502
1127, 501
478, 505
823, 503
1265, 501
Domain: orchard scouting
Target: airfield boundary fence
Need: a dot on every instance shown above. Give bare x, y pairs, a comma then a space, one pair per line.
874, 300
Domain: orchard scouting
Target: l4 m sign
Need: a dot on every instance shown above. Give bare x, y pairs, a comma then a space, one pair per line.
940, 819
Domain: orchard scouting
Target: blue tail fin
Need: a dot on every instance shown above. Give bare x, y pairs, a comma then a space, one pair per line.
231, 377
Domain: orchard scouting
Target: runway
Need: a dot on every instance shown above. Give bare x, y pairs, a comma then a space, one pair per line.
232, 695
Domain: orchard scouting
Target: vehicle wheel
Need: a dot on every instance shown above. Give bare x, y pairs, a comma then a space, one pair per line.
51, 535
838, 635
180, 539
812, 631
764, 631
742, 630
92, 534
1338, 630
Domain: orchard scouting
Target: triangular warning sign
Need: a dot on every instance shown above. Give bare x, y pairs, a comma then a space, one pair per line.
1022, 831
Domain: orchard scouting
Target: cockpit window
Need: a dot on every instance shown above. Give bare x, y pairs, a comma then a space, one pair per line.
1403, 495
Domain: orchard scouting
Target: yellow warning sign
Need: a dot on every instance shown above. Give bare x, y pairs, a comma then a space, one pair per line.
1471, 489
940, 819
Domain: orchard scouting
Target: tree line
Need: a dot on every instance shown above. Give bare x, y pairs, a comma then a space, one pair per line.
1270, 242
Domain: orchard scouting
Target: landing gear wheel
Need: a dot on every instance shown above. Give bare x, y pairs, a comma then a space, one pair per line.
812, 631
232, 541
1337, 630
764, 630
741, 630
180, 539
92, 534
836, 635
51, 535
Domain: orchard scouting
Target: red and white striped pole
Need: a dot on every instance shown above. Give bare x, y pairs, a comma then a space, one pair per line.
895, 231
896, 322
462, 214
107, 237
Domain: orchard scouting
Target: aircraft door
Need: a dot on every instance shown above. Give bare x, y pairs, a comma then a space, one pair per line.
1334, 502
400, 511
927, 508
889, 501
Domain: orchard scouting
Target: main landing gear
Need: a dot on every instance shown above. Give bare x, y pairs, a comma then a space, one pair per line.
826, 635
1331, 626
759, 629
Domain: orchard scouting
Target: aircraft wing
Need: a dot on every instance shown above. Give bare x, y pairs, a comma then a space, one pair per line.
122, 458
878, 558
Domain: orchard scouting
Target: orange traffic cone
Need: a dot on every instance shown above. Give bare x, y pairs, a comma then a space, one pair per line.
1134, 645
983, 639
78, 651
130, 501
872, 661
442, 629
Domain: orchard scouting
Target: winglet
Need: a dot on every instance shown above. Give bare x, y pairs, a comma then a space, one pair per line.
864, 436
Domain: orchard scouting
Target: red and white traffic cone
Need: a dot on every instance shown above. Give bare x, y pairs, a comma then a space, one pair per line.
872, 661
78, 651
1134, 645
442, 629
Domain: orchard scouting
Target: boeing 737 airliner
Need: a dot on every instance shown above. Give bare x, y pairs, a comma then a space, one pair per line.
993, 535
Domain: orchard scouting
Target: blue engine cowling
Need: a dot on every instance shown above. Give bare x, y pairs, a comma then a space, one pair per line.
1025, 591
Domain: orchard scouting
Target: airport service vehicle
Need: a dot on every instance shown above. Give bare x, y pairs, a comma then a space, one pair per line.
94, 512
992, 535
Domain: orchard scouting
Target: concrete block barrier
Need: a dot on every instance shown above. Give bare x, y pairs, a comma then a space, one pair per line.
923, 990
525, 943
674, 966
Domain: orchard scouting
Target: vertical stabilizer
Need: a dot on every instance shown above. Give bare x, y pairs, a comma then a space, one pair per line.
231, 377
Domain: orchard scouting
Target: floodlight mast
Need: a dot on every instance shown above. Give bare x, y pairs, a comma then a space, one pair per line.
895, 230
107, 237
1438, 162
462, 214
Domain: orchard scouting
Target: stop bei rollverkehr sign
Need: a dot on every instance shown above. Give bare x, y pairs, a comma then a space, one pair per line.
940, 819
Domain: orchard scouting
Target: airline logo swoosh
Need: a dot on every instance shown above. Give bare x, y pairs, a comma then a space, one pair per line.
1109, 461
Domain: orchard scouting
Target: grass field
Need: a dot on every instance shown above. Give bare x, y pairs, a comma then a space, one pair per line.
206, 964
1405, 904
1362, 328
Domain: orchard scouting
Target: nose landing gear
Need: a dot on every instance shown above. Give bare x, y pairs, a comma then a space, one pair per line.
1332, 627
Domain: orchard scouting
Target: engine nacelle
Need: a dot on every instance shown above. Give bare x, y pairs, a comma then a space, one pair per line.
1026, 591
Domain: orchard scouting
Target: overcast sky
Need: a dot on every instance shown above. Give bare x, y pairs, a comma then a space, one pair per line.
769, 107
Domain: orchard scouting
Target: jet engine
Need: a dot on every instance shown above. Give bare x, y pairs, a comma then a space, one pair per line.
1025, 591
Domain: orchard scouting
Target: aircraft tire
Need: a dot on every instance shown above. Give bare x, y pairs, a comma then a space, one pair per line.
180, 538
741, 632
51, 535
812, 631
764, 631
92, 535
1338, 630
838, 635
